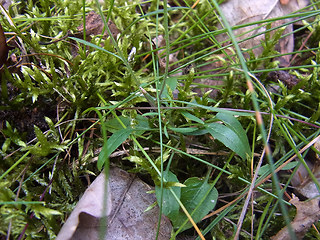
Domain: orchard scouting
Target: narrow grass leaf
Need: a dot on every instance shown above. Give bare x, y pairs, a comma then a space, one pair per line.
112, 144
209, 108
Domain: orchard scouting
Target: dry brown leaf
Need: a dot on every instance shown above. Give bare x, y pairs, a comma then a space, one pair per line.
301, 180
245, 11
95, 25
126, 204
307, 214
161, 42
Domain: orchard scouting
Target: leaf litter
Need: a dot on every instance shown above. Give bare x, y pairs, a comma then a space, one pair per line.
127, 209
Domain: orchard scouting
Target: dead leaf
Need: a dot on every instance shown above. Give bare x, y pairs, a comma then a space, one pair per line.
161, 42
307, 214
246, 11
301, 180
4, 49
95, 26
126, 204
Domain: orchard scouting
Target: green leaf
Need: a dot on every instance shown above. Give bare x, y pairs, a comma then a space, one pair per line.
199, 197
183, 130
233, 123
197, 132
112, 144
191, 117
170, 206
290, 165
13, 135
171, 83
40, 136
284, 101
209, 108
228, 137
44, 148
150, 114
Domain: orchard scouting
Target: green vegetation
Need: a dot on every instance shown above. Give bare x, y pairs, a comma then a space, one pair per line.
183, 108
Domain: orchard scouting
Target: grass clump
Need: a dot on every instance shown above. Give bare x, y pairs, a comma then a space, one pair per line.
194, 114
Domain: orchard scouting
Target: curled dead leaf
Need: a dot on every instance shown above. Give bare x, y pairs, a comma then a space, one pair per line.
307, 214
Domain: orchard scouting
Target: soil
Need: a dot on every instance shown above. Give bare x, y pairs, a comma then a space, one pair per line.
23, 118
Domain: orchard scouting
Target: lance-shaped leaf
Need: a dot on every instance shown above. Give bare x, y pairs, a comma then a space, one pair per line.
228, 137
112, 144
230, 121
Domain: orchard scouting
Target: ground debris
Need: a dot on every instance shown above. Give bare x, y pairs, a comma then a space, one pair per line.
127, 202
288, 79
307, 214
95, 25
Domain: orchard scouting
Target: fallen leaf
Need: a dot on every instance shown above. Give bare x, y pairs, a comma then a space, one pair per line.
307, 214
127, 201
239, 12
95, 26
301, 180
161, 42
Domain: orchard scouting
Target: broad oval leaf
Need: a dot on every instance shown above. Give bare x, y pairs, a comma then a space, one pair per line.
266, 168
199, 197
170, 206
140, 124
